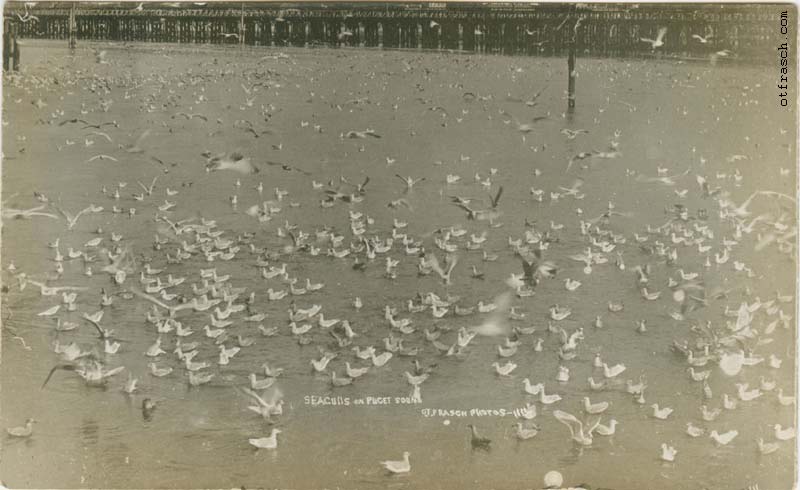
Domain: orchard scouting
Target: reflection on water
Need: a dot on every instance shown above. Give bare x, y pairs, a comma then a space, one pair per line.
669, 117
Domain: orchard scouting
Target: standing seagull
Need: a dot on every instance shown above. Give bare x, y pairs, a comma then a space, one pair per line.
403, 466
24, 431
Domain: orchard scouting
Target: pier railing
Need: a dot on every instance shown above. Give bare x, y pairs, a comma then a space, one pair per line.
745, 31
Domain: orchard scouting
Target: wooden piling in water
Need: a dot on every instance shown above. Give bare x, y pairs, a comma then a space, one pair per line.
73, 28
571, 77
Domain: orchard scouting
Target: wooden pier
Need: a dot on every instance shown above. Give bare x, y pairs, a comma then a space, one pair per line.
607, 30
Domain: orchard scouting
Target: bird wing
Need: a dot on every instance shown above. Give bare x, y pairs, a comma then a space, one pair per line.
573, 424
405, 181
152, 299
496, 198
661, 33
63, 213
142, 137
528, 269
452, 261
465, 208
255, 396
592, 426
433, 262
65, 367
96, 325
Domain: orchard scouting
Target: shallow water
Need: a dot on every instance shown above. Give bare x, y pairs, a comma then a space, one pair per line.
668, 114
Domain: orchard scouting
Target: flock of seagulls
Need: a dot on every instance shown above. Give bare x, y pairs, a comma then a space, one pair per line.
659, 42
205, 313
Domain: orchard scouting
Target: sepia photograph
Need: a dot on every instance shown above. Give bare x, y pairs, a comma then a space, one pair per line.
399, 245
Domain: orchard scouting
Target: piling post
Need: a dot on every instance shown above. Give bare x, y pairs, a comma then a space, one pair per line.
571, 78
73, 28
571, 66
241, 27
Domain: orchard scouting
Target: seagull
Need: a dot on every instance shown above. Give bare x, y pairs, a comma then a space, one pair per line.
767, 448
725, 438
782, 434
148, 189
504, 370
703, 40
659, 41
24, 431
72, 220
234, 161
594, 408
571, 134
409, 181
576, 428
263, 407
668, 452
270, 442
102, 157
189, 116
89, 369
524, 433
402, 466
361, 134
661, 413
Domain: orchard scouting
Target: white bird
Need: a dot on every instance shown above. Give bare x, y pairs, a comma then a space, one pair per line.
668, 452
524, 433
130, 384
159, 372
594, 408
782, 434
703, 40
270, 442
50, 311
24, 431
607, 430
693, 430
659, 40
355, 372
260, 384
785, 400
155, 350
381, 359
767, 448
725, 438
505, 369
402, 466
577, 431
710, 415
612, 372
531, 389
661, 413
548, 399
